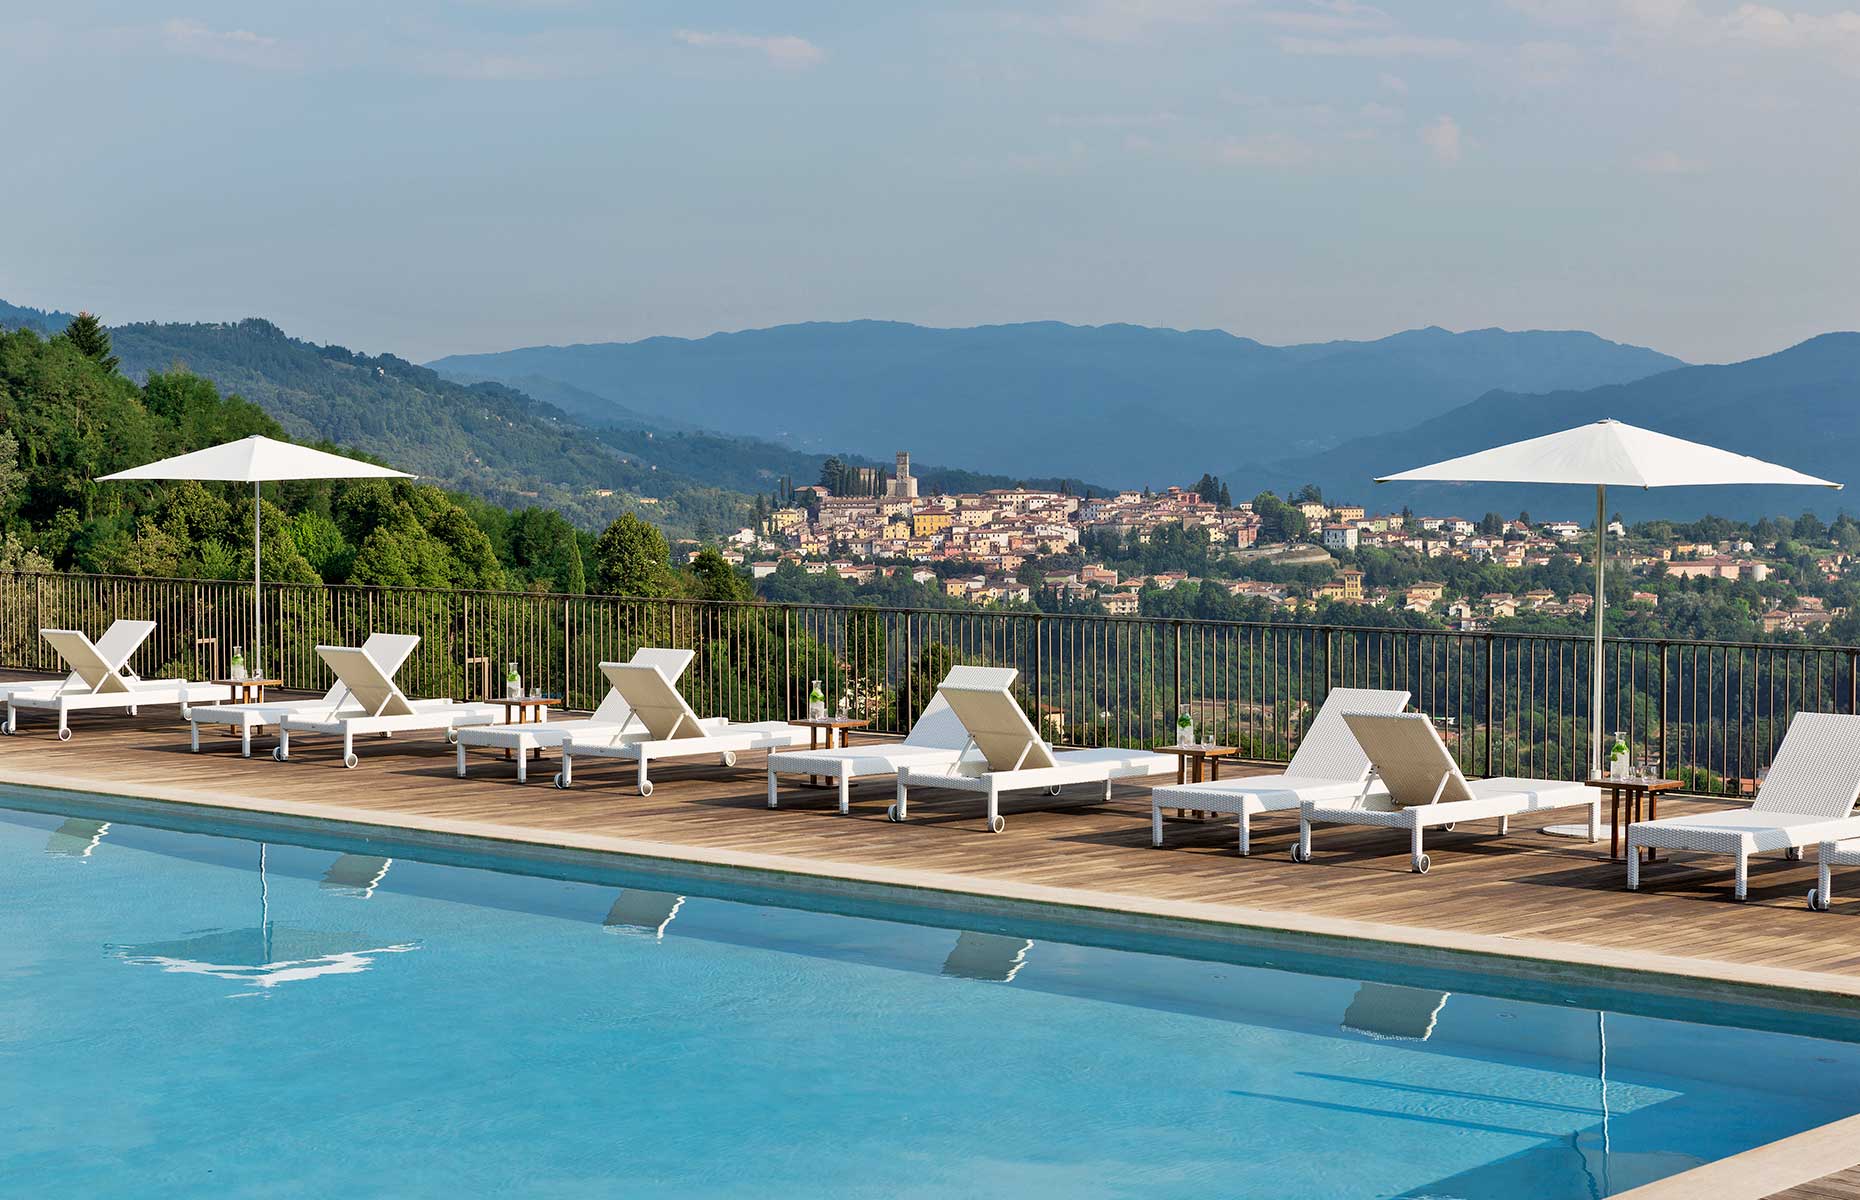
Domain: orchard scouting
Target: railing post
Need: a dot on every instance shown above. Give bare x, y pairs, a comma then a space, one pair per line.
1168, 718
1491, 646
1325, 632
1663, 708
787, 654
907, 693
1039, 673
1853, 681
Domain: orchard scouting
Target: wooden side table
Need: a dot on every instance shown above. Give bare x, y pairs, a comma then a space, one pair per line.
250, 690
831, 727
1629, 795
525, 710
1189, 761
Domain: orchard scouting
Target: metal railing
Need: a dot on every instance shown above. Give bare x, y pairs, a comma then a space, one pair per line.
1709, 713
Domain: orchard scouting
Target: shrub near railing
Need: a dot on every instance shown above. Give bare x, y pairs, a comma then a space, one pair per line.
1706, 712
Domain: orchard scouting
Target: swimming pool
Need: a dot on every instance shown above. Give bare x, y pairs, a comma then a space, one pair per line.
184, 1009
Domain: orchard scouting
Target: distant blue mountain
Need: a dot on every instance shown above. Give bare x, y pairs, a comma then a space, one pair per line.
13, 316
1799, 407
1123, 404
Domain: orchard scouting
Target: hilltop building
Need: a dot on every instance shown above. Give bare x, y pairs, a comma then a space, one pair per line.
902, 486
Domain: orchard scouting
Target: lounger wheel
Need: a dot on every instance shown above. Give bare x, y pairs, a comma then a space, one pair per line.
729, 758
1816, 900
7, 728
1448, 827
645, 789
1053, 790
891, 814
1420, 864
64, 735
1300, 854
998, 824
349, 760
452, 737
277, 754
560, 782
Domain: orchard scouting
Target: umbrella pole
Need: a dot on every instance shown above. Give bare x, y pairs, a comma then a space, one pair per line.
257, 609
1595, 671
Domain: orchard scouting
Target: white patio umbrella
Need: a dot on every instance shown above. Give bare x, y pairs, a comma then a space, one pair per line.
257, 460
1604, 454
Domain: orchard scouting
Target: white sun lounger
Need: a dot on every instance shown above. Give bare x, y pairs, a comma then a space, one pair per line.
1014, 757
936, 740
388, 649
1807, 798
613, 715
1424, 788
116, 646
100, 678
670, 728
374, 705
1328, 765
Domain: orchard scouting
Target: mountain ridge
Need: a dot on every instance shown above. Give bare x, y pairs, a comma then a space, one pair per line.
1035, 397
1816, 381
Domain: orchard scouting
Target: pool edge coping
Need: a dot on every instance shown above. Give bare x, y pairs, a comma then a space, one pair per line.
1762, 1171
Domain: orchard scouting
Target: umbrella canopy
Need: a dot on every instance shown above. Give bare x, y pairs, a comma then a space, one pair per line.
1601, 455
257, 460
1608, 454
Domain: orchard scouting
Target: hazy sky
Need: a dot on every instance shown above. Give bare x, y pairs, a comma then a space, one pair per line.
428, 177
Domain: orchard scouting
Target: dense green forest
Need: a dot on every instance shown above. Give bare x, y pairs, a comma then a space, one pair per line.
68, 416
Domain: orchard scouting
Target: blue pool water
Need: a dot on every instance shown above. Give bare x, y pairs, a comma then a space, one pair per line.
185, 1011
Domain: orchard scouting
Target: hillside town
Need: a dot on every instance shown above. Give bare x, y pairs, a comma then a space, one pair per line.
978, 548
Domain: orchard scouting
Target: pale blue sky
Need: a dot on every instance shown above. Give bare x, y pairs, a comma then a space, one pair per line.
429, 177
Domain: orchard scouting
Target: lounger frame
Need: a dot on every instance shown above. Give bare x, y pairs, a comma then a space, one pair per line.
1425, 790
1327, 766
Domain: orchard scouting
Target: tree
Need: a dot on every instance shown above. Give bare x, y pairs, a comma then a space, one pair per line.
713, 578
1311, 493
1278, 521
1226, 498
92, 340
632, 559
1491, 525
1524, 517
541, 548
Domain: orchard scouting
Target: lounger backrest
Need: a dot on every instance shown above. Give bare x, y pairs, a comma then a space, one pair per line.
1409, 757
656, 704
1329, 750
120, 642
388, 649
91, 671
939, 728
370, 688
613, 708
1000, 730
1816, 771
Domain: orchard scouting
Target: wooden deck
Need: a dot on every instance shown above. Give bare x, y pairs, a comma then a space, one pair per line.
1842, 1185
1526, 889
